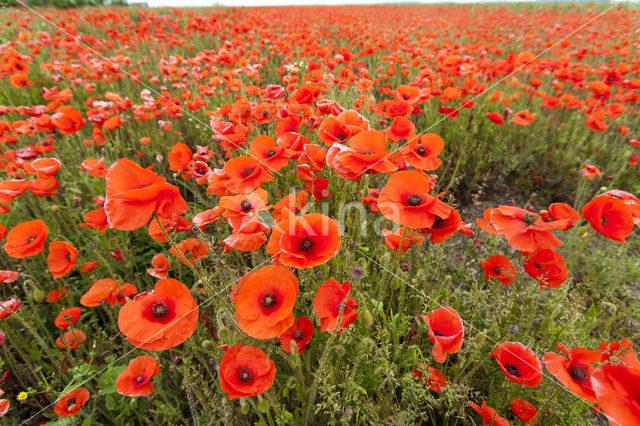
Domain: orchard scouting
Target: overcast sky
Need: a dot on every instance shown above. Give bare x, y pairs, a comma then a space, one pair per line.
195, 3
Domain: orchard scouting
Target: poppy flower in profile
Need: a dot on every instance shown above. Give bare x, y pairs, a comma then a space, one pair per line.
525, 231
8, 276
489, 415
433, 377
246, 371
610, 217
26, 239
57, 294
617, 391
300, 334
71, 402
160, 265
245, 174
500, 268
330, 300
249, 236
304, 241
519, 363
67, 318
179, 157
524, 410
95, 168
96, 219
547, 267
133, 195
495, 117
62, 258
558, 211
403, 238
136, 379
573, 369
264, 305
422, 151
9, 306
405, 200
629, 199
108, 291
401, 128
71, 339
190, 250
160, 320
446, 331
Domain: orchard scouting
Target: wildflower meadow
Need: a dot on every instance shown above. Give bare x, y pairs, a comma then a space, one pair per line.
389, 215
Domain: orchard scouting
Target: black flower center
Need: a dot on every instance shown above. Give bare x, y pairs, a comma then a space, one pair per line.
271, 153
71, 403
248, 172
437, 333
414, 200
298, 335
140, 379
578, 372
245, 375
497, 270
268, 300
529, 218
512, 370
246, 205
603, 220
31, 239
307, 244
159, 309
421, 150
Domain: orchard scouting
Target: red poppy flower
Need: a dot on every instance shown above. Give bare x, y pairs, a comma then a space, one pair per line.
523, 118
134, 194
160, 320
240, 208
9, 306
71, 402
179, 157
62, 258
108, 291
190, 249
202, 219
446, 331
525, 231
245, 174
405, 200
330, 299
574, 369
489, 415
71, 339
299, 334
499, 267
547, 267
249, 236
524, 410
629, 199
26, 239
67, 120
95, 168
495, 117
617, 389
67, 318
403, 238
264, 305
160, 265
304, 241
366, 153
422, 151
96, 219
57, 294
271, 156
401, 128
8, 276
136, 379
610, 217
246, 371
558, 211
434, 377
519, 363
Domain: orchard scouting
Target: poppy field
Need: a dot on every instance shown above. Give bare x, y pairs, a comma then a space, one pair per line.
320, 215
